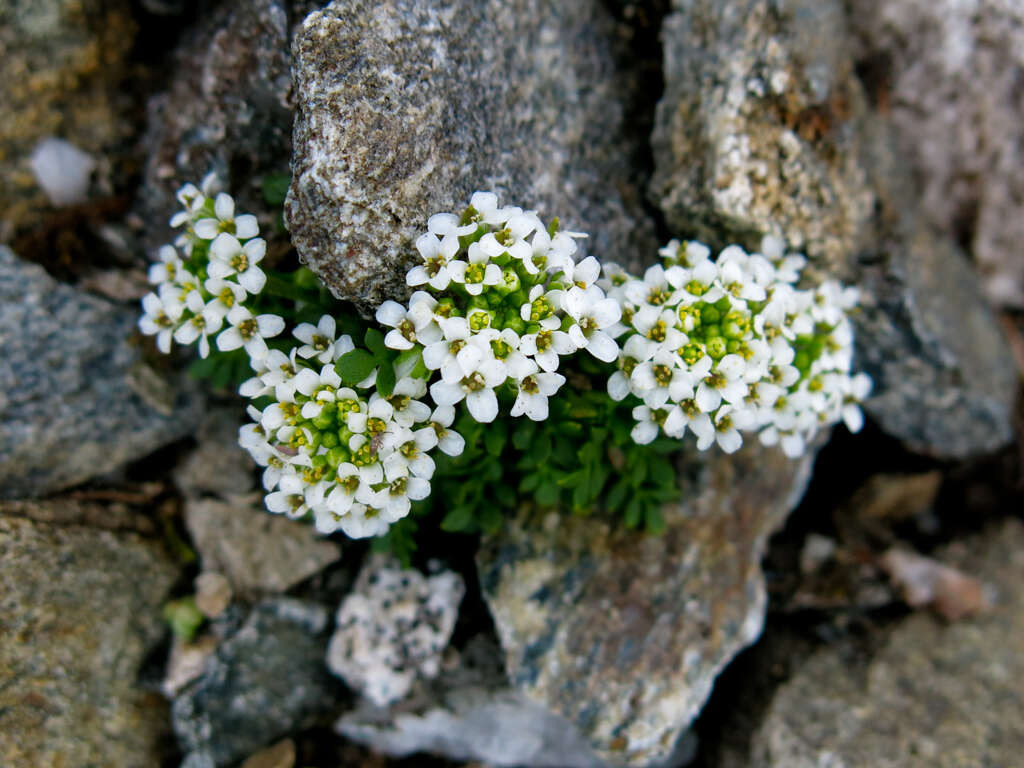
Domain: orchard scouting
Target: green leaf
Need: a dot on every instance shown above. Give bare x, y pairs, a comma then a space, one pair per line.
491, 518
495, 437
655, 522
634, 509
580, 497
375, 342
385, 379
617, 495
275, 188
505, 495
540, 450
547, 493
355, 366
529, 482
458, 520
523, 435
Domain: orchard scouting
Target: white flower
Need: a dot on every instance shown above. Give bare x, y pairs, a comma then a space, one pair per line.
229, 257
159, 319
437, 256
318, 340
593, 312
660, 379
453, 355
407, 452
226, 293
168, 267
411, 326
723, 382
477, 387
448, 441
511, 239
290, 499
545, 346
249, 331
243, 227
199, 327
534, 391
363, 522
477, 274
649, 423
442, 224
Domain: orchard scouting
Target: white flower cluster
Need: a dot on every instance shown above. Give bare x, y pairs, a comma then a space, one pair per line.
203, 280
718, 347
732, 345
352, 458
501, 299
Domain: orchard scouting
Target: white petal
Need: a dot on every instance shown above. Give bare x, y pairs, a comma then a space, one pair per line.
603, 347
390, 313
483, 405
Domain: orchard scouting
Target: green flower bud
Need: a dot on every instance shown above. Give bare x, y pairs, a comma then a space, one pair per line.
717, 347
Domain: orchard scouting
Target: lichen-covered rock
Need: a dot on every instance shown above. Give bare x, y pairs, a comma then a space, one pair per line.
757, 131
266, 680
393, 628
934, 696
406, 107
226, 110
75, 399
947, 75
62, 67
623, 633
470, 713
766, 127
258, 552
81, 610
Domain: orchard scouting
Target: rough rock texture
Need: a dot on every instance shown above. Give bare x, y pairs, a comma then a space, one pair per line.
766, 127
406, 107
393, 628
264, 681
80, 612
226, 110
754, 134
218, 465
258, 552
947, 75
623, 633
62, 63
944, 378
75, 400
469, 713
937, 695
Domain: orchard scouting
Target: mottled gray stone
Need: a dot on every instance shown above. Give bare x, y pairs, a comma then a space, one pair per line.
81, 609
766, 127
226, 109
393, 628
258, 552
75, 399
945, 380
935, 695
947, 77
406, 107
266, 680
623, 633
218, 465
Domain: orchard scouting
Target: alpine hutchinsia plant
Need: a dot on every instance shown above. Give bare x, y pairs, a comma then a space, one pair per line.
354, 424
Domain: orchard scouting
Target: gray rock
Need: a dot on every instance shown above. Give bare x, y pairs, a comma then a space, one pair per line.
264, 681
945, 381
258, 552
757, 131
470, 713
62, 73
935, 694
218, 465
81, 610
393, 628
225, 110
946, 76
75, 399
765, 127
622, 633
406, 107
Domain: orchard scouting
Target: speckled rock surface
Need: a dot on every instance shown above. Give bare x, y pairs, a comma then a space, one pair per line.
469, 713
81, 610
766, 126
393, 628
258, 552
947, 75
226, 109
62, 63
218, 465
944, 378
266, 680
75, 399
406, 107
757, 131
622, 633
936, 695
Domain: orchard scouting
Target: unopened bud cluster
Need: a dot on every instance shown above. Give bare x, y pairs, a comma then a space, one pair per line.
345, 435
